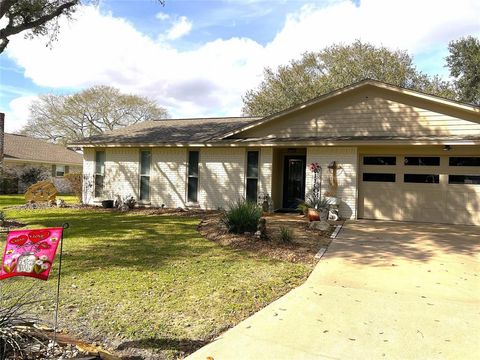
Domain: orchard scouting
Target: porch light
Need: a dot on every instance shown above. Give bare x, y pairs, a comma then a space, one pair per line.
447, 148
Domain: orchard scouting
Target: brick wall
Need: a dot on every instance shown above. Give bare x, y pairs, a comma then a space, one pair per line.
222, 177
88, 175
168, 177
346, 157
265, 168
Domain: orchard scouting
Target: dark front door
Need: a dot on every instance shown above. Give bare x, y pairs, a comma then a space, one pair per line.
294, 181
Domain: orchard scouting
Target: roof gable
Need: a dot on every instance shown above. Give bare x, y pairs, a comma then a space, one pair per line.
369, 108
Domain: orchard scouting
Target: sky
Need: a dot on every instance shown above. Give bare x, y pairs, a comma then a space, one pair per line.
197, 58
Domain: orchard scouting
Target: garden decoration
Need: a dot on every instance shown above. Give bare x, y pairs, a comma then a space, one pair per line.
331, 193
316, 169
41, 191
31, 253
333, 179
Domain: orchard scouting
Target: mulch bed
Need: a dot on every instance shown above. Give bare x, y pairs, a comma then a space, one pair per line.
305, 243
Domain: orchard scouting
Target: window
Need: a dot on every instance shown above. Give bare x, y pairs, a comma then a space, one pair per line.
252, 175
99, 173
379, 160
379, 177
464, 179
464, 161
421, 178
192, 176
422, 160
145, 162
59, 170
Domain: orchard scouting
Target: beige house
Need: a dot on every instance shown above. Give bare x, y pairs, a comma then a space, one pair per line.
21, 151
402, 155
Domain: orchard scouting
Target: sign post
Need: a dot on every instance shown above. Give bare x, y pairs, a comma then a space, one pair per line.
31, 253
57, 300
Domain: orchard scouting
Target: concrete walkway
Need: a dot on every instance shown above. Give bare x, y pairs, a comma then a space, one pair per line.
384, 290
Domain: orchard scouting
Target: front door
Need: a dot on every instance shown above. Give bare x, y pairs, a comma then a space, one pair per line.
294, 181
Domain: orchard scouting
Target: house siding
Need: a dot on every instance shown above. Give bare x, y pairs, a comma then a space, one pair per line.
121, 172
222, 177
346, 157
265, 168
168, 177
370, 112
88, 173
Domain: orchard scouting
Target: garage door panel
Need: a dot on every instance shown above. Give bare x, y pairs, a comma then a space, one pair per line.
379, 202
423, 202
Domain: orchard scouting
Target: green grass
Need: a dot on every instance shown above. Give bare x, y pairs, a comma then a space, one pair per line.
19, 199
153, 282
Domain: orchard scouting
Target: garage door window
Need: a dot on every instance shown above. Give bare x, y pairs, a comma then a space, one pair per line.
422, 160
421, 178
379, 177
464, 179
464, 161
379, 160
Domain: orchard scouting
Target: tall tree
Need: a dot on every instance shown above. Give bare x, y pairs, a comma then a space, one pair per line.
35, 17
68, 118
464, 65
339, 65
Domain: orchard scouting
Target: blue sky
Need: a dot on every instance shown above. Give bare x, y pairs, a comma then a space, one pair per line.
197, 58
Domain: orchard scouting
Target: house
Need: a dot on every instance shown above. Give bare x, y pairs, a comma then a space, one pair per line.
21, 151
401, 155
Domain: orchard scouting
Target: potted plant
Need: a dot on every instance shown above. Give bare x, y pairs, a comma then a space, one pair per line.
317, 207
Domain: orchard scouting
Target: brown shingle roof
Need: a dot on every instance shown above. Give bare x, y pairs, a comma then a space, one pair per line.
26, 148
169, 131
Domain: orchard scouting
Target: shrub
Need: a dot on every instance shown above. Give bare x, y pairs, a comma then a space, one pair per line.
75, 181
286, 235
314, 202
243, 216
31, 175
303, 208
16, 331
2, 218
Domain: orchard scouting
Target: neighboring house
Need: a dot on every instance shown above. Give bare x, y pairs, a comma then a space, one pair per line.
23, 151
403, 155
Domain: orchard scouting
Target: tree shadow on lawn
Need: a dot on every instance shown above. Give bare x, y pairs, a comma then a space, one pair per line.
179, 346
113, 239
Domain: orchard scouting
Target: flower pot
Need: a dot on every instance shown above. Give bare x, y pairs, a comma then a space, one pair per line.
313, 215
107, 204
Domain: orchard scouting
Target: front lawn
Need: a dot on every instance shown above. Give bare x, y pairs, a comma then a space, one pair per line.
152, 282
19, 199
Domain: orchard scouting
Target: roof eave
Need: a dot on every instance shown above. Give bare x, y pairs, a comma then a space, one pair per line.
303, 143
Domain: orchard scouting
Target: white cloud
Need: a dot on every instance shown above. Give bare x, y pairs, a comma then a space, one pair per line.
162, 16
18, 114
210, 80
180, 28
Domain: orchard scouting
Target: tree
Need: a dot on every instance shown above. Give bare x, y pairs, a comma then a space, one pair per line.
35, 17
334, 67
67, 118
464, 65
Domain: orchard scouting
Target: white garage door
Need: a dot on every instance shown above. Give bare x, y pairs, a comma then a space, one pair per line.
440, 189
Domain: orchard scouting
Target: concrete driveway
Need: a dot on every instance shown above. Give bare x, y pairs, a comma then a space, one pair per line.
384, 290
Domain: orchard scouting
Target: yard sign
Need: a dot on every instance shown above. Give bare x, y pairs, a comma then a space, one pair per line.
30, 253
